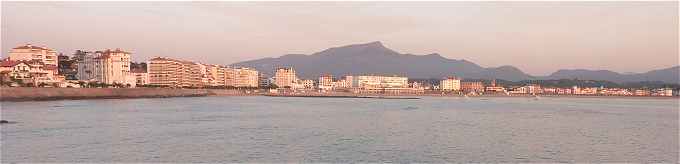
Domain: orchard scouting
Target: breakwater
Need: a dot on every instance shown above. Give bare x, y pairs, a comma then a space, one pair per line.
38, 94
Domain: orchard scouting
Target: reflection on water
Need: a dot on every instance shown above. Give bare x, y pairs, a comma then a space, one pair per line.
277, 129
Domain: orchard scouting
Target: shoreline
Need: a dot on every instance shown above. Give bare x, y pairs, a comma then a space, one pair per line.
19, 94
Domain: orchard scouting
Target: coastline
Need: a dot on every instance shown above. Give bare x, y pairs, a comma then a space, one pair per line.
17, 94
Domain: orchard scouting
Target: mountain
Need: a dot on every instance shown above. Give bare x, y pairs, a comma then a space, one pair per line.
668, 75
375, 58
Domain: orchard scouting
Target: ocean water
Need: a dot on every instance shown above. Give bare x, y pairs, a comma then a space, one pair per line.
280, 129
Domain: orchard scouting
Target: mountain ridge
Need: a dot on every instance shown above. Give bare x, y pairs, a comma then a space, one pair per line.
375, 58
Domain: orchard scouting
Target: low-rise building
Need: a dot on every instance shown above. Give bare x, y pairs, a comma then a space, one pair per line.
32, 71
141, 76
472, 86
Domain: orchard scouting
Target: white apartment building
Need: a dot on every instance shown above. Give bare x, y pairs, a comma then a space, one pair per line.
450, 84
109, 66
382, 82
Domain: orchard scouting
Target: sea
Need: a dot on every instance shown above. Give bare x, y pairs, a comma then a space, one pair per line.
342, 130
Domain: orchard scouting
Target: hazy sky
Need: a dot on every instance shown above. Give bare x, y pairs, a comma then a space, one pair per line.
537, 37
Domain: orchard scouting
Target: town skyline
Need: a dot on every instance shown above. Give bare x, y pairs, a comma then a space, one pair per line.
579, 34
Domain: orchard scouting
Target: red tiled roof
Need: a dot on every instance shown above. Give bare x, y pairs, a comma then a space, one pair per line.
11, 63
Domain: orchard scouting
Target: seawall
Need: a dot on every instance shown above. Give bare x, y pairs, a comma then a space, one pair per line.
37, 94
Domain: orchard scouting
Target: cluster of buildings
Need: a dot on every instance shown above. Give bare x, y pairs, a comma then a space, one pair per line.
179, 73
31, 64
286, 78
600, 91
41, 66
36, 65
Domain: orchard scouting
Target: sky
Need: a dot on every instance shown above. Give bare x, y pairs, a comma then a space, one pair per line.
537, 37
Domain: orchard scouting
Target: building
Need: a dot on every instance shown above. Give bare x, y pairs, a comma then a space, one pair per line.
662, 92
109, 67
27, 72
584, 91
615, 91
345, 82
477, 86
264, 80
180, 73
169, 72
285, 78
326, 82
86, 65
450, 84
494, 87
307, 84
28, 52
215, 75
383, 84
642, 92
141, 76
245, 77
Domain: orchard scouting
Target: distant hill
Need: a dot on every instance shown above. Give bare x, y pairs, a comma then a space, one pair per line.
668, 75
375, 58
